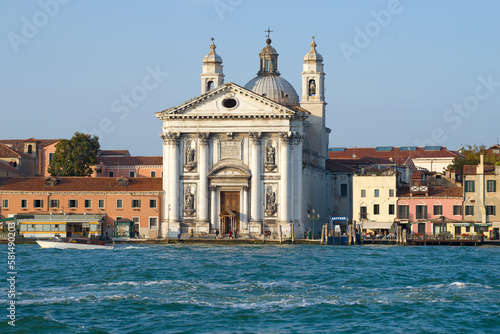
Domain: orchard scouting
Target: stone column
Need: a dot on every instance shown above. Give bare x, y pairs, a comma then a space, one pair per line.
172, 185
204, 139
245, 208
255, 194
297, 178
214, 224
285, 176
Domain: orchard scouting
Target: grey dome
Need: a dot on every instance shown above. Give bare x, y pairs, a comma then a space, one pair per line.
274, 87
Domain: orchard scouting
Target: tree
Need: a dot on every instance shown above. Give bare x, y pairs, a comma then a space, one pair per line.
472, 156
75, 157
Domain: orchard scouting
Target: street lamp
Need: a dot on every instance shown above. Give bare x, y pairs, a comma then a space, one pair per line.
313, 217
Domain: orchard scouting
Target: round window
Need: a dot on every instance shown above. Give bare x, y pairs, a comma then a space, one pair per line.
229, 103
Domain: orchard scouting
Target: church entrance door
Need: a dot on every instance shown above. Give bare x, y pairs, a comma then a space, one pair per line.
230, 200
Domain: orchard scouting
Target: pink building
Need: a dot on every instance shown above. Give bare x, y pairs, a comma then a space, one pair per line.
30, 157
437, 202
129, 166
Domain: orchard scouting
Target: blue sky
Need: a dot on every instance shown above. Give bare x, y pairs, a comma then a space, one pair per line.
398, 73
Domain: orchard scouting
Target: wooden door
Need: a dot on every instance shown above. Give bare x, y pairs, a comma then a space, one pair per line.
230, 200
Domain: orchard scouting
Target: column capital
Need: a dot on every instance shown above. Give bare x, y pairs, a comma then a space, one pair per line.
298, 138
213, 187
255, 137
170, 138
246, 188
204, 137
286, 137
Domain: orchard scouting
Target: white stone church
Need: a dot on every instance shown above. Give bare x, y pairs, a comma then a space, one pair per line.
248, 158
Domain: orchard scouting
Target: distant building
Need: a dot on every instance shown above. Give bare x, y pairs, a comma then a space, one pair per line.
30, 156
138, 199
374, 199
427, 200
482, 198
431, 158
129, 166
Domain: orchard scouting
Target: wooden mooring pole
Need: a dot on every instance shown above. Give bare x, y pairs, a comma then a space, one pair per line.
293, 232
280, 234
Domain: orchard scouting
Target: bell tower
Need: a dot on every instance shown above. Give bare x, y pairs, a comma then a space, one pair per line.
211, 75
313, 100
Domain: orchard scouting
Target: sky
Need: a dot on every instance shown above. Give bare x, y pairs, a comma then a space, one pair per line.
398, 72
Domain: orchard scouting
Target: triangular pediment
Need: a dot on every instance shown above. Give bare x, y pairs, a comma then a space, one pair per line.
231, 100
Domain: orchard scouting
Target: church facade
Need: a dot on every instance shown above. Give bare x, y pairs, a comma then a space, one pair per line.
248, 158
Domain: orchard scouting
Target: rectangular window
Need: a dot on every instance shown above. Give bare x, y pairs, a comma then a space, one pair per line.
101, 204
467, 229
491, 186
51, 156
162, 174
54, 203
37, 203
88, 203
363, 193
438, 210
152, 203
111, 174
490, 210
421, 212
343, 190
391, 192
457, 210
153, 173
72, 203
5, 203
403, 212
24, 203
376, 209
136, 203
469, 210
119, 203
469, 186
391, 209
376, 193
153, 222
131, 173
363, 214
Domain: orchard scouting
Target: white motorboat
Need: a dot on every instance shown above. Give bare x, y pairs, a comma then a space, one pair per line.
74, 244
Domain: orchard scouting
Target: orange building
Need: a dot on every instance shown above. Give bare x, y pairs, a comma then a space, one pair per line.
113, 199
31, 156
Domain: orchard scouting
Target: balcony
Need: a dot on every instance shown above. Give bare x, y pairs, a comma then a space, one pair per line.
421, 215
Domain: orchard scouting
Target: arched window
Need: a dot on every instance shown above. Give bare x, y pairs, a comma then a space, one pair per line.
30, 149
312, 87
210, 85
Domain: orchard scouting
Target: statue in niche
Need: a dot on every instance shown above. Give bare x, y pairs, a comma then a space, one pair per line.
312, 88
189, 201
190, 155
270, 163
271, 203
271, 155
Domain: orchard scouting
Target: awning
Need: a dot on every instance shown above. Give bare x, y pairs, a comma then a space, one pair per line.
377, 225
462, 224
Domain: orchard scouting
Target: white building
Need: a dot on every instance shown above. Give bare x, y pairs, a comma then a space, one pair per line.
374, 200
248, 158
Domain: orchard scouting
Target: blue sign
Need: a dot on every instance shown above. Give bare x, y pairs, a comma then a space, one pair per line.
338, 218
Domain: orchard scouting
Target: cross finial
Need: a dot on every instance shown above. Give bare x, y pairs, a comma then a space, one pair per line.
212, 39
269, 31
313, 37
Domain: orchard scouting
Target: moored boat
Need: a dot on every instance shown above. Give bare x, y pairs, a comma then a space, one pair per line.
74, 244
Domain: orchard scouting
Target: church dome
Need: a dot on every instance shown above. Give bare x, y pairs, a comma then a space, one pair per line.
269, 82
274, 87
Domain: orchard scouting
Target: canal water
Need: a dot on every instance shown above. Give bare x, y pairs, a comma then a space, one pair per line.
255, 289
